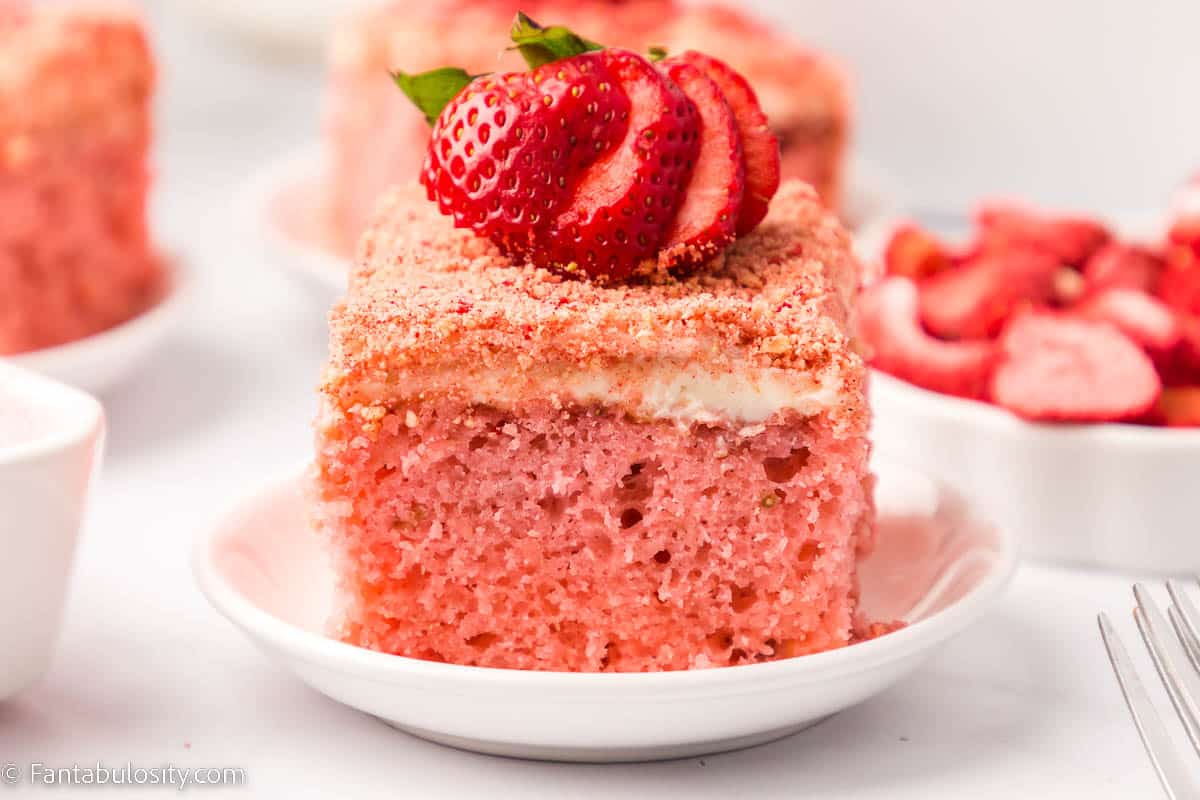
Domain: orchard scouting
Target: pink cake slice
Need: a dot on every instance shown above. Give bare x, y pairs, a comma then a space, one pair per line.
75, 255
377, 138
524, 471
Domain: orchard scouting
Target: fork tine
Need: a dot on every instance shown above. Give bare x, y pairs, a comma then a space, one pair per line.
1183, 685
1186, 612
1190, 645
1175, 775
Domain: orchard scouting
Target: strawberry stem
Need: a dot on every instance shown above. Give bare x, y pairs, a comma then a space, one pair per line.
431, 91
539, 45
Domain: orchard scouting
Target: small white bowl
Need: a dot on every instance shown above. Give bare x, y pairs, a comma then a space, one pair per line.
50, 442
1112, 495
99, 362
936, 567
283, 206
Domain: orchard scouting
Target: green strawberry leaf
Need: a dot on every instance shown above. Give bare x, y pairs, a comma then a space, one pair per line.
656, 53
431, 91
540, 45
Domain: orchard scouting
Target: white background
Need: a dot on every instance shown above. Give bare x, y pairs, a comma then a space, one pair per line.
1022, 706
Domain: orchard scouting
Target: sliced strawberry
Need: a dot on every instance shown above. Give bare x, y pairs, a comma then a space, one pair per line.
759, 144
1180, 365
706, 222
915, 253
1177, 407
622, 205
500, 147
889, 326
1185, 225
1138, 315
1071, 240
1179, 285
1122, 266
1055, 368
972, 301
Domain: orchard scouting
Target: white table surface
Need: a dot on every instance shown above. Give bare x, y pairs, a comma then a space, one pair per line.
1022, 706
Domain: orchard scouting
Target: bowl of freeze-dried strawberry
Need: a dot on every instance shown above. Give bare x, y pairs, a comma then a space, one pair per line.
1049, 366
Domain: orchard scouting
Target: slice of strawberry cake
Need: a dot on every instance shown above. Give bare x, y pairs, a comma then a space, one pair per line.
595, 407
75, 89
376, 139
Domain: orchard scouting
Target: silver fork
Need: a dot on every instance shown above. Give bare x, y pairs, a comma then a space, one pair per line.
1177, 659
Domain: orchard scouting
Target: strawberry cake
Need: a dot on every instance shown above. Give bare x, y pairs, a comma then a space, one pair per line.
376, 139
75, 90
1050, 317
610, 421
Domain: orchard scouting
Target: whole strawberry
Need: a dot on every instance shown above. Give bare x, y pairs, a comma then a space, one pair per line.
597, 161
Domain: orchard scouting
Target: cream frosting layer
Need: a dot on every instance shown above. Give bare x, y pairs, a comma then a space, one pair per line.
683, 394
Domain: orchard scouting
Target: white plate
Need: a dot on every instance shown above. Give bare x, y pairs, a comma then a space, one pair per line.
936, 566
283, 207
103, 360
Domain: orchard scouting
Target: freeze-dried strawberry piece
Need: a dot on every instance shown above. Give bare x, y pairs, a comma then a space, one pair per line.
888, 324
1180, 365
915, 253
1179, 285
1122, 266
972, 301
1055, 368
1177, 407
1071, 240
1185, 225
1138, 315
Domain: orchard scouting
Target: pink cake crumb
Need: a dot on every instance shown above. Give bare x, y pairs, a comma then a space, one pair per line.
75, 255
484, 509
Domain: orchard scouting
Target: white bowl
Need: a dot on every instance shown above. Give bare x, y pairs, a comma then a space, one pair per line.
50, 440
103, 360
283, 208
1118, 496
936, 567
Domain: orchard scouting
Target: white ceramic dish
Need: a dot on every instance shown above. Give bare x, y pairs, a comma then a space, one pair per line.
1118, 496
282, 207
100, 362
1115, 496
936, 566
50, 440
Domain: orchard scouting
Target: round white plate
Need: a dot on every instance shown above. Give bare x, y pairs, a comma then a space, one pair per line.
103, 360
936, 566
283, 207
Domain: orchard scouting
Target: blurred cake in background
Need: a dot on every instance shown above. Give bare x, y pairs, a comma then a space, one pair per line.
376, 138
75, 88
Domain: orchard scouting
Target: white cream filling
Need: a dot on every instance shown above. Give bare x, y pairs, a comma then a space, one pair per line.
675, 393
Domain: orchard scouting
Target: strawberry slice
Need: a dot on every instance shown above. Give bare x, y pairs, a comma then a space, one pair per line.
622, 205
706, 222
915, 253
1179, 284
759, 144
1178, 407
972, 301
1139, 316
1071, 240
1122, 266
1185, 228
1180, 365
1055, 368
889, 326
